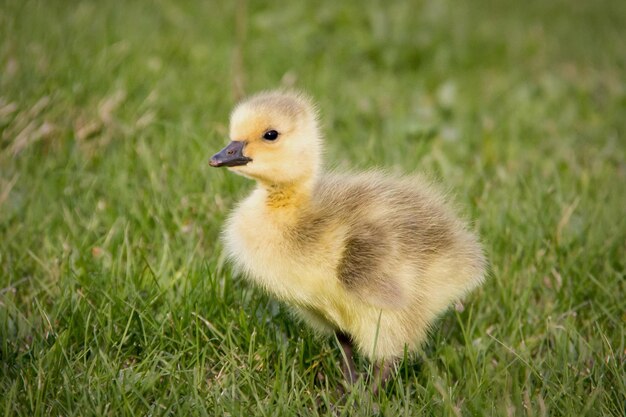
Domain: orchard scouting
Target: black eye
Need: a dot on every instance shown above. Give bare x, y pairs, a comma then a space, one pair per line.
270, 135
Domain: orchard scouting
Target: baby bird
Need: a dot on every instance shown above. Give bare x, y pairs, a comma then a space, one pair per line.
371, 257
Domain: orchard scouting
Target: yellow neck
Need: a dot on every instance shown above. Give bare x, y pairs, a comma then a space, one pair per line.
287, 196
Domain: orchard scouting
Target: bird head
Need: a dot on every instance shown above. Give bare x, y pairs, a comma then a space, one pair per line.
274, 139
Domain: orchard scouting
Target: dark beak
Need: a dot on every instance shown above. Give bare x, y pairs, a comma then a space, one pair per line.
230, 156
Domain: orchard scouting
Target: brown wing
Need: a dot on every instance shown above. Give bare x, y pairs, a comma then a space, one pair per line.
365, 267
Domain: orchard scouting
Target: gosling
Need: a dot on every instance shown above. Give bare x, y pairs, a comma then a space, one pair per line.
370, 257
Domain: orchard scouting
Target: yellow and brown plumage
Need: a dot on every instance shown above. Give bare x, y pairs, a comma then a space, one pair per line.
371, 256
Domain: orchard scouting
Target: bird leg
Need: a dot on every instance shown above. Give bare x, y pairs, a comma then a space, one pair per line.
348, 368
382, 372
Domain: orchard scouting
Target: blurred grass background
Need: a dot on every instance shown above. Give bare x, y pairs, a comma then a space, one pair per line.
114, 296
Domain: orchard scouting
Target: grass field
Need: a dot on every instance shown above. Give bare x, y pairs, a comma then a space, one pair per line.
114, 295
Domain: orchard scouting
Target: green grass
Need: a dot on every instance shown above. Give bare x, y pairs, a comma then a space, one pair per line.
114, 295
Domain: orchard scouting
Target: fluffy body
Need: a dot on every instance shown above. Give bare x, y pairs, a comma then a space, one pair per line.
374, 256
